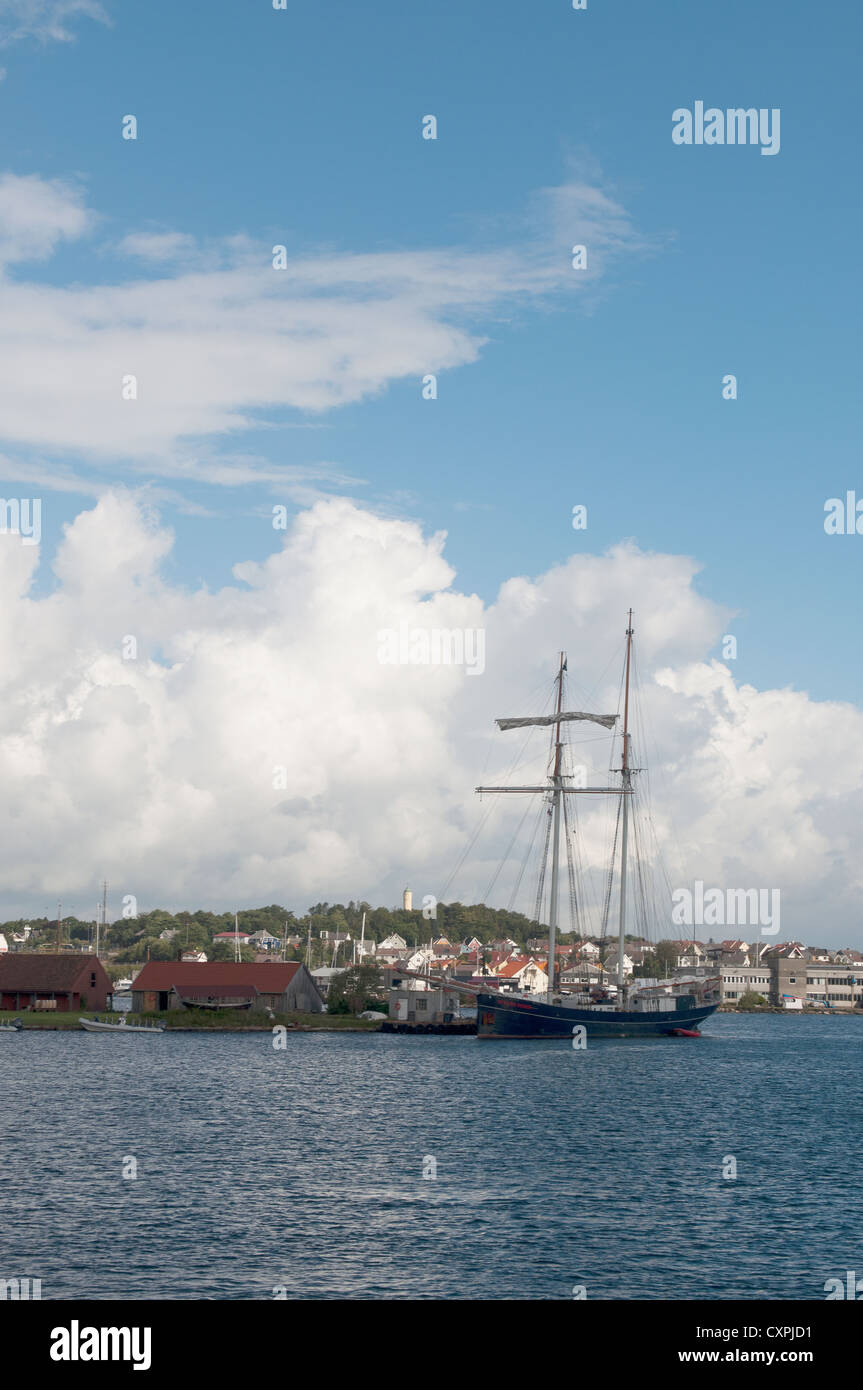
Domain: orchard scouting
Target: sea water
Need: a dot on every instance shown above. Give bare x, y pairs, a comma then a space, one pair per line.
349, 1165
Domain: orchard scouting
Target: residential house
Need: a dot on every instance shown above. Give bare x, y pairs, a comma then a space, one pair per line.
233, 938
393, 942
611, 964
523, 973
265, 941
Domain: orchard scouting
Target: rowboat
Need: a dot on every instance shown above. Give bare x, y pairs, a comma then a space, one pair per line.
92, 1025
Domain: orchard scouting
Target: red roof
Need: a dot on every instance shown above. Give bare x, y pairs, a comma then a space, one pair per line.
29, 970
267, 977
518, 963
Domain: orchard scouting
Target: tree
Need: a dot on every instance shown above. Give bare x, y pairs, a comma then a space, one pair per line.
355, 989
224, 950
666, 954
751, 1000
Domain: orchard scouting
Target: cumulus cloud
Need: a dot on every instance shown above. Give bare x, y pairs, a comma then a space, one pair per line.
163, 772
45, 20
218, 340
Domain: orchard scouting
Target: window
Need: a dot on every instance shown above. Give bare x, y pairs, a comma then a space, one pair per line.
92, 979
422, 1004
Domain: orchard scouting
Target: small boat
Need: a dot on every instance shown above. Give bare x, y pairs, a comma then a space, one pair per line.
92, 1025
123, 986
11, 1027
685, 1033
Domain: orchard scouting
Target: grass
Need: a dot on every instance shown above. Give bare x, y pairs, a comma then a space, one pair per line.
225, 1020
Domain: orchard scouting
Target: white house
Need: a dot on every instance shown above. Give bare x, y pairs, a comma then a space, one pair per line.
393, 942
523, 973
265, 941
611, 964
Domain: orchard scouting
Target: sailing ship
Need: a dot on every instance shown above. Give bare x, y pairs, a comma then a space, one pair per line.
639, 1008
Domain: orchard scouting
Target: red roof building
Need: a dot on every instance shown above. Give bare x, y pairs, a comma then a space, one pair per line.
283, 986
62, 983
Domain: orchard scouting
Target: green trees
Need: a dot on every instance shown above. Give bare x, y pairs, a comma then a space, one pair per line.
751, 1000
360, 987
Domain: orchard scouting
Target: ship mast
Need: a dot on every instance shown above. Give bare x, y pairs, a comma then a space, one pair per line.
555, 849
556, 784
626, 789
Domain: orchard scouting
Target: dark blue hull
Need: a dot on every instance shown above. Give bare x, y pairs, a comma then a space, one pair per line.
499, 1017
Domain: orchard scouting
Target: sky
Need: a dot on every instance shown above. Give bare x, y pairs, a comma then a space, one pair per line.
163, 387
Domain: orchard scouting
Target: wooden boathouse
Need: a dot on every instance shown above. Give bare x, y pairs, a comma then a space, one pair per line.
283, 986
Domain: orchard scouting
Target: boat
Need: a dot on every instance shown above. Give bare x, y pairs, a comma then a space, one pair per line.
214, 1002
93, 1025
11, 1027
635, 1009
123, 986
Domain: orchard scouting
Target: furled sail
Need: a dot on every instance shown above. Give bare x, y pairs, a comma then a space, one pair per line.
606, 720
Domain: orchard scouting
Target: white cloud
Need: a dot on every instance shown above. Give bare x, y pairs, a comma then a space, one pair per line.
158, 772
36, 214
223, 340
45, 20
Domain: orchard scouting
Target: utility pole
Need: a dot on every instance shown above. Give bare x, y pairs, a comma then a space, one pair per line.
59, 927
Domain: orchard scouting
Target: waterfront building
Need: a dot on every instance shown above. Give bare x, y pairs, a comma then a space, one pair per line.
57, 982
737, 980
786, 980
423, 1006
284, 987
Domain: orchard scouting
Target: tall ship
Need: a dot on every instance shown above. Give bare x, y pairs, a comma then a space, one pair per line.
623, 1009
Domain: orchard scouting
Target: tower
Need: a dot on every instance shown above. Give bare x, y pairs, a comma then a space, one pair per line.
408, 900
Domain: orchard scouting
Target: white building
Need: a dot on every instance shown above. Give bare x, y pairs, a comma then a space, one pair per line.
393, 942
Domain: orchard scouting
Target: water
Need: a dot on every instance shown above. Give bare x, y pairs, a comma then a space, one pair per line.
302, 1169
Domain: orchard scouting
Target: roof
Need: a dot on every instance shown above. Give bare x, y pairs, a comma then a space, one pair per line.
268, 977
33, 970
516, 964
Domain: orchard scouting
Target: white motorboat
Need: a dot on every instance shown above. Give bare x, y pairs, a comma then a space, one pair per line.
93, 1025
11, 1027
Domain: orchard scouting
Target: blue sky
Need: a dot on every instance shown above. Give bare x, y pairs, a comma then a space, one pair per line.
303, 128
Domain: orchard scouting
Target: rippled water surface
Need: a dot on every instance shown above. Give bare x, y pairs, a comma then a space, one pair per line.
303, 1169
